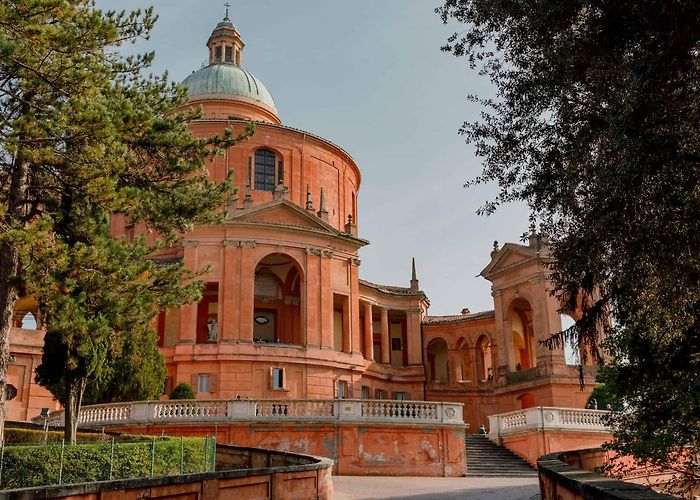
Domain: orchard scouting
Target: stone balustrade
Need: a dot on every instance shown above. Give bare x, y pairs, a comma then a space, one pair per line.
546, 418
250, 410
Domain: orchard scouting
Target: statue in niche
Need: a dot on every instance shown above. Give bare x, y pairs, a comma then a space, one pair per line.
212, 328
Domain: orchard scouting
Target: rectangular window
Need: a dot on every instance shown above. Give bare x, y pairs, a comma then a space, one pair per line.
278, 378
400, 396
229, 54
217, 54
365, 392
203, 382
379, 394
342, 389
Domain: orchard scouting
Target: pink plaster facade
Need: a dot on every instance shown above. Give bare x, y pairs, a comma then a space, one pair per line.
286, 315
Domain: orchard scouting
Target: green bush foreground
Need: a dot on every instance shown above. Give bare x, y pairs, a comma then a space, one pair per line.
25, 466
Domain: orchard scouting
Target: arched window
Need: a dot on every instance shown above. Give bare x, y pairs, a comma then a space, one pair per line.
29, 322
264, 170
437, 361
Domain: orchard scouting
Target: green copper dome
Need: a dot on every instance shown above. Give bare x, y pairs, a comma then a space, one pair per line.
220, 80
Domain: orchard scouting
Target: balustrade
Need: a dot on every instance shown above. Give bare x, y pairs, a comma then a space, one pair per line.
547, 418
221, 411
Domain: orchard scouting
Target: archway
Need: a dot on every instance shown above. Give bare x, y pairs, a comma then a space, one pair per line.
523, 336
437, 361
277, 301
484, 364
465, 364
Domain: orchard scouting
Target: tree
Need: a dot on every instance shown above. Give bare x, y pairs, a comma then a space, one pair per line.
83, 134
183, 390
595, 125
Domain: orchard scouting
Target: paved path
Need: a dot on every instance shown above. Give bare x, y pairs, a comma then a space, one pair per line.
435, 488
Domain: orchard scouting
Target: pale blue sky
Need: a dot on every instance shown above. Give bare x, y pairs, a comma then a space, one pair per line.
369, 75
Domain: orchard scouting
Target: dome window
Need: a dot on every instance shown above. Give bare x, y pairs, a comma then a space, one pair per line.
264, 170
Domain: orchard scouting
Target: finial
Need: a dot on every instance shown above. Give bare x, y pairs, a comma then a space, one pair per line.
309, 202
495, 245
227, 5
414, 279
322, 212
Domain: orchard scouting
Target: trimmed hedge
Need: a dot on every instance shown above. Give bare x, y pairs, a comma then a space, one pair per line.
25, 466
31, 436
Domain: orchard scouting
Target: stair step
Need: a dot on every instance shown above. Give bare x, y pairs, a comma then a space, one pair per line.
487, 459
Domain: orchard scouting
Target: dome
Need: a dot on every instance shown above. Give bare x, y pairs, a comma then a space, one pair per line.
228, 81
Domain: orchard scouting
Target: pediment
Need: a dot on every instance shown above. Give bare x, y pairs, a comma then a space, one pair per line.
282, 213
509, 256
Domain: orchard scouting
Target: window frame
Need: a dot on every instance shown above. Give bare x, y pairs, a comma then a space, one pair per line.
204, 377
274, 372
264, 170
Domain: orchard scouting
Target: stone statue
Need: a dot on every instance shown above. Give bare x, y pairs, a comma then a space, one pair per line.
212, 327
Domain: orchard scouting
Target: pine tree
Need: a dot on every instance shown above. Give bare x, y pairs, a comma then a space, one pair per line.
84, 134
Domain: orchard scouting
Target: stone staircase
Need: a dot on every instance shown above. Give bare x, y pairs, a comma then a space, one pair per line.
485, 458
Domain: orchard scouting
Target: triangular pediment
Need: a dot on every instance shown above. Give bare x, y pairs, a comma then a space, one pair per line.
507, 257
282, 212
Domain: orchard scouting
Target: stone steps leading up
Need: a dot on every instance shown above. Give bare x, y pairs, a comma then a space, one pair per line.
485, 458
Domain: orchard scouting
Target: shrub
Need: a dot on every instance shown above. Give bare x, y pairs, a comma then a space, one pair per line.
26, 466
183, 390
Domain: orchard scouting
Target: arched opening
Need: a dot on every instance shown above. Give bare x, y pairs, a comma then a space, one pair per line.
484, 364
523, 336
207, 316
437, 361
527, 400
465, 364
571, 354
29, 322
277, 302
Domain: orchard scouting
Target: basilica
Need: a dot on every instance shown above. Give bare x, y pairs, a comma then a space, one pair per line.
285, 313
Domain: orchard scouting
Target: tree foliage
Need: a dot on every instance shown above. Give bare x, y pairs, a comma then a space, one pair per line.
595, 124
84, 134
183, 390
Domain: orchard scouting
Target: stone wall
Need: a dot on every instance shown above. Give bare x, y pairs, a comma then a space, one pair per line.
561, 481
241, 473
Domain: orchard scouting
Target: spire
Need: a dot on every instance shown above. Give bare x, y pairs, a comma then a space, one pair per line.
414, 279
225, 44
322, 212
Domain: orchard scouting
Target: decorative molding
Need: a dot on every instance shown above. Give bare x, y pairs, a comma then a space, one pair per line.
328, 254
230, 243
246, 244
355, 262
313, 251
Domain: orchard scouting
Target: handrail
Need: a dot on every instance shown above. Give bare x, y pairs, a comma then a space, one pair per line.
238, 410
547, 418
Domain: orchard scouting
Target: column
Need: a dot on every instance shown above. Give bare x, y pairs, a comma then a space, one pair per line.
326, 300
188, 316
354, 306
369, 341
386, 345
413, 337
229, 317
246, 274
313, 311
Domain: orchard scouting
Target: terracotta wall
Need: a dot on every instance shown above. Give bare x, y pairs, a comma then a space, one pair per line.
378, 449
264, 475
532, 445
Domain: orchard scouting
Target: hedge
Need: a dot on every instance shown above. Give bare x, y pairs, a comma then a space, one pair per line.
31, 436
25, 466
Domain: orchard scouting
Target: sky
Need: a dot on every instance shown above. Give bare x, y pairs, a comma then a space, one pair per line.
369, 76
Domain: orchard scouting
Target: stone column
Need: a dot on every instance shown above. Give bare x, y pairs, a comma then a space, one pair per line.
354, 306
188, 316
386, 344
313, 310
247, 287
369, 340
229, 319
326, 300
413, 337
